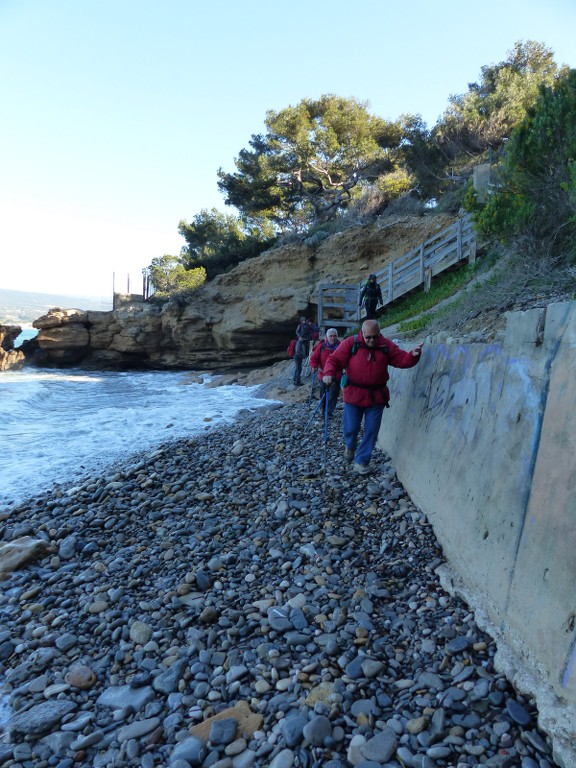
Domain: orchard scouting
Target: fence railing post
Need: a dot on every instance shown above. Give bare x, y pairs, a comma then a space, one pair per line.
421, 262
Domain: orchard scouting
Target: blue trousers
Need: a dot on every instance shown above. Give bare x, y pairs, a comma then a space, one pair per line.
352, 422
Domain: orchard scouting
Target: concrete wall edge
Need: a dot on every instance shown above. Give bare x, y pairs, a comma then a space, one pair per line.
483, 436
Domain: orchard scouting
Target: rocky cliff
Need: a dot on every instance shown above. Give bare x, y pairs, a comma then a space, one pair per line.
10, 357
241, 319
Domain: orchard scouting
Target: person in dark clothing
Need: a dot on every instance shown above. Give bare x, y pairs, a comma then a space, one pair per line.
307, 331
371, 297
299, 355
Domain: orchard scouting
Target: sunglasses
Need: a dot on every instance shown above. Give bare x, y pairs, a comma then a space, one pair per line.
372, 337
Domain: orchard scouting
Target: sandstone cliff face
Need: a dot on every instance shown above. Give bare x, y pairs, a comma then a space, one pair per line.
242, 319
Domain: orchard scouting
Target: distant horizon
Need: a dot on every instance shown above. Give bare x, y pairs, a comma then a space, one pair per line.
56, 294
24, 307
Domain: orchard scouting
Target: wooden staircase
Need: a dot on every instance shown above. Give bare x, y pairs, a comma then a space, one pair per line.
338, 303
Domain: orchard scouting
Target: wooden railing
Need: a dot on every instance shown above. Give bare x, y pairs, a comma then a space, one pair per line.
338, 303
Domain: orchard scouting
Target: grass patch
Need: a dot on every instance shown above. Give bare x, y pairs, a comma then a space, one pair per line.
414, 326
443, 286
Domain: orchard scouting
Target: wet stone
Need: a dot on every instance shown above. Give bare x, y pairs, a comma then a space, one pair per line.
293, 730
517, 712
457, 645
381, 747
223, 731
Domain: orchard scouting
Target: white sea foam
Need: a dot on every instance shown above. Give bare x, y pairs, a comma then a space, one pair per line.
58, 426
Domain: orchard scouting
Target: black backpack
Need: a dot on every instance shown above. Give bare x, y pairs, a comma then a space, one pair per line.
372, 290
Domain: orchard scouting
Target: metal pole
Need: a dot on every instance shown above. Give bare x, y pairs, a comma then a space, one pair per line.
326, 418
312, 388
315, 411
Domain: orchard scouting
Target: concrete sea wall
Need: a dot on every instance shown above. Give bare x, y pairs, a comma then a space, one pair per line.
483, 437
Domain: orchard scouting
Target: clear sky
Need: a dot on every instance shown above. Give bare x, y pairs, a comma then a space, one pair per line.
117, 114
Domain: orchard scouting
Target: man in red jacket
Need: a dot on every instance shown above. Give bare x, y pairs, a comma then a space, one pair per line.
366, 359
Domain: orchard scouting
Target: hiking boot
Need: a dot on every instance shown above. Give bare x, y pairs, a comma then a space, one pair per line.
361, 469
349, 455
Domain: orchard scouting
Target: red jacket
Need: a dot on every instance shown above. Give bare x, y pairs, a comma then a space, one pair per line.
319, 356
367, 369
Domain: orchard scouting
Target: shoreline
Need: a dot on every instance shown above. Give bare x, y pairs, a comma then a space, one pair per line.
274, 382
224, 601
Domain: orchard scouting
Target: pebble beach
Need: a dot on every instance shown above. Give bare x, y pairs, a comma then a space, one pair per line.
243, 599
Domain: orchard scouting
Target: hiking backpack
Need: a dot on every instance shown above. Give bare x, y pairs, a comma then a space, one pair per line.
291, 348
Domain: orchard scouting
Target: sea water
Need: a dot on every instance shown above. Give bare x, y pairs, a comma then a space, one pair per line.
58, 427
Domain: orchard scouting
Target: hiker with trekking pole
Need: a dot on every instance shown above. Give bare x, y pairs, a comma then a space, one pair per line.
321, 353
366, 358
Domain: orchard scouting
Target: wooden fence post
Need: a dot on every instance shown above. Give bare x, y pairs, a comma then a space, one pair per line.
427, 279
422, 272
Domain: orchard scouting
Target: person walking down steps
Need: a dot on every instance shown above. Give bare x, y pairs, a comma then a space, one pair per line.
370, 297
366, 358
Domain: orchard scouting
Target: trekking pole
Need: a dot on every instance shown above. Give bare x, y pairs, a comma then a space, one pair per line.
315, 411
312, 388
326, 417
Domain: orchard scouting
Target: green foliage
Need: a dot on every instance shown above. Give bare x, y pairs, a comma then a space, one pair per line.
395, 184
217, 241
493, 107
470, 199
169, 276
326, 164
421, 157
305, 168
536, 182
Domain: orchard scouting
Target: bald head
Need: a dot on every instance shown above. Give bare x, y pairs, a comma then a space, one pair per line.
370, 328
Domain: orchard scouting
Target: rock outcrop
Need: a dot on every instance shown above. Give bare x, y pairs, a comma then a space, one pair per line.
10, 358
241, 319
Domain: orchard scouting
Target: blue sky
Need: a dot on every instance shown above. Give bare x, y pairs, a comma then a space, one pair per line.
117, 114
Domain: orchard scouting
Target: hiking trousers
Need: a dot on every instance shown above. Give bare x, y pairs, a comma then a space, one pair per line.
353, 415
370, 307
298, 370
